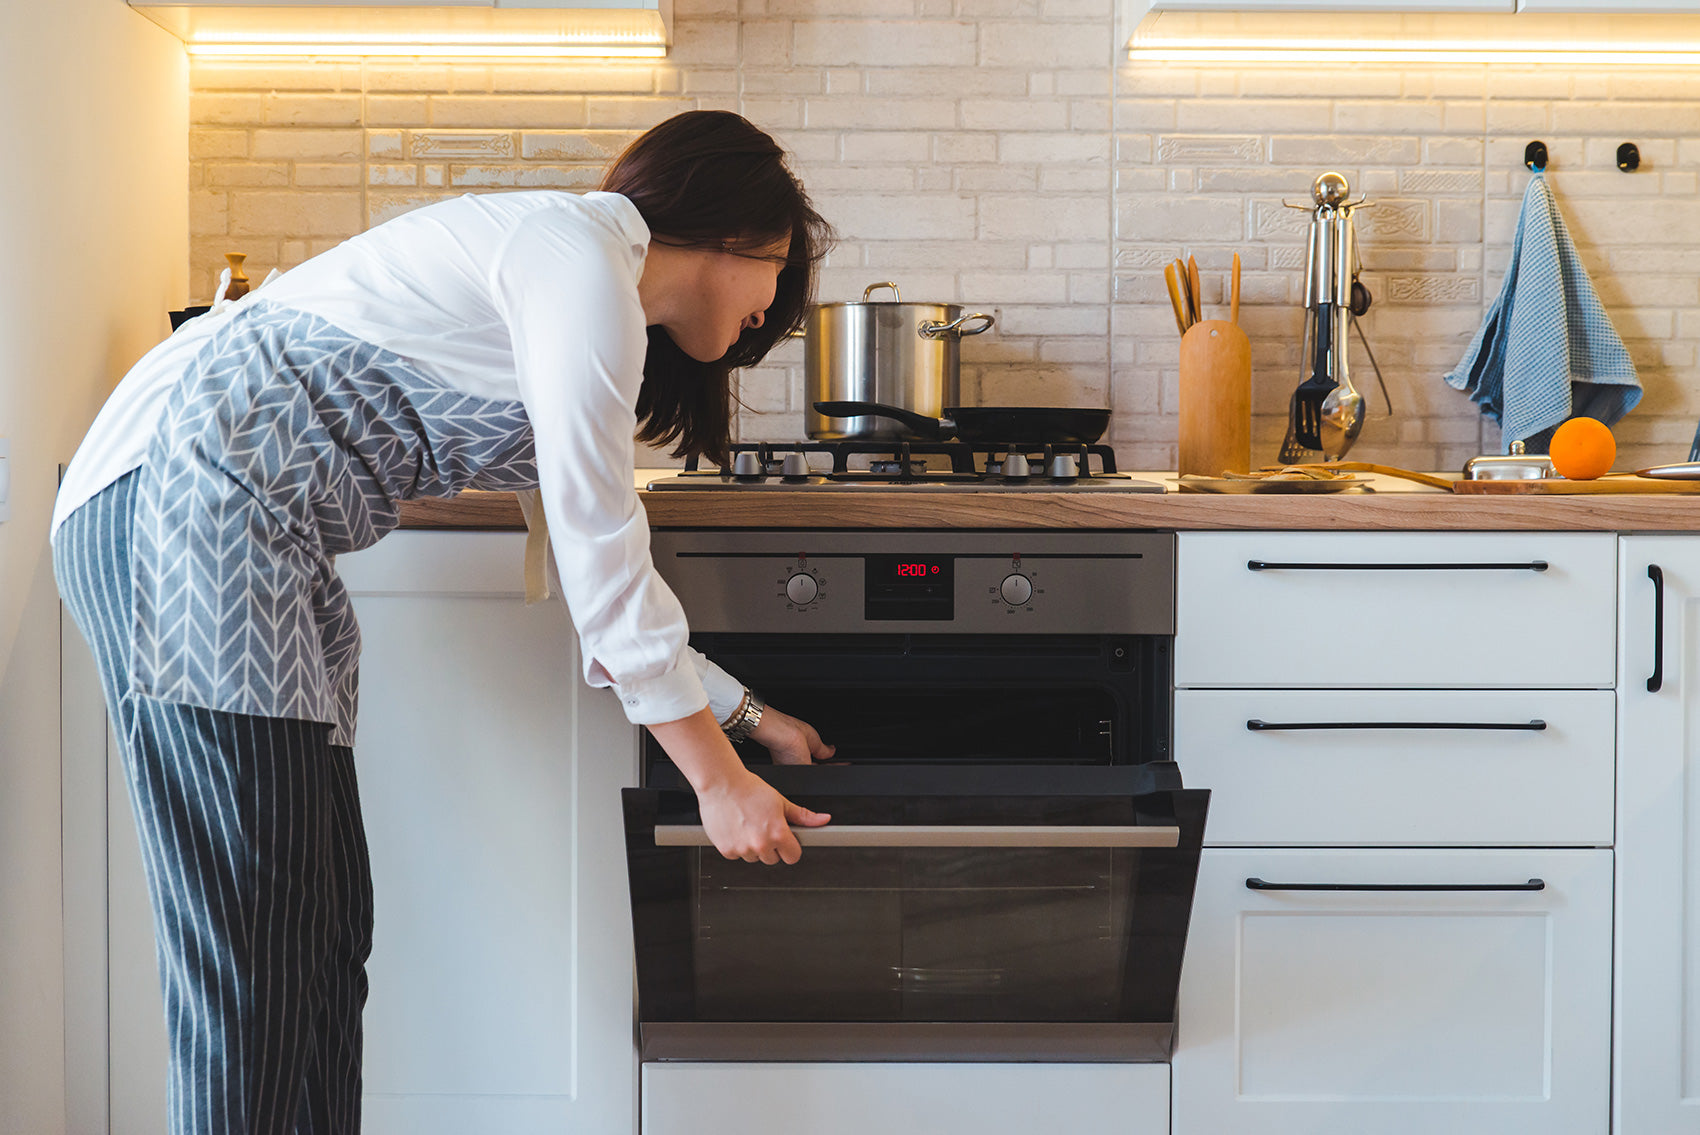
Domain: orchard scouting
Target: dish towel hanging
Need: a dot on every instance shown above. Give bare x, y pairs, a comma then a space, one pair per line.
1547, 351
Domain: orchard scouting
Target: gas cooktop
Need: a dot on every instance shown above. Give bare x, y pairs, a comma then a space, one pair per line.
912, 466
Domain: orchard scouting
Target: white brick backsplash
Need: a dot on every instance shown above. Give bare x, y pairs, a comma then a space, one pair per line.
1150, 218
1040, 45
308, 144
1048, 217
891, 216
1015, 114
1005, 155
852, 113
885, 146
1061, 149
1328, 152
884, 43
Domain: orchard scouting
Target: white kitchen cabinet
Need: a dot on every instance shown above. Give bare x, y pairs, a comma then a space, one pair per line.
501, 993
1395, 609
1657, 1064
1406, 768
1397, 1012
392, 4
1613, 7
905, 1099
1334, 5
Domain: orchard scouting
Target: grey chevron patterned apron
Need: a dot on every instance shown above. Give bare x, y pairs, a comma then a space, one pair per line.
288, 443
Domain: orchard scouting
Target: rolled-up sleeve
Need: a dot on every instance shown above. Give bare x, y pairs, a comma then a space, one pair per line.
568, 294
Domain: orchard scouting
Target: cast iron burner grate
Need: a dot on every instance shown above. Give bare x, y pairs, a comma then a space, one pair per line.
904, 462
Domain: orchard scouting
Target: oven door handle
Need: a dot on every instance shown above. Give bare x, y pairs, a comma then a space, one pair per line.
950, 835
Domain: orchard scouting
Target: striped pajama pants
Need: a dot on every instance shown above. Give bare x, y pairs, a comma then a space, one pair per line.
256, 869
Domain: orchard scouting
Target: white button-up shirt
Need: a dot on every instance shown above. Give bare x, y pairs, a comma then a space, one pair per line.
528, 296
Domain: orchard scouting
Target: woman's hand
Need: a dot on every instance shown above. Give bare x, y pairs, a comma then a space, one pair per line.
789, 740
745, 816
748, 819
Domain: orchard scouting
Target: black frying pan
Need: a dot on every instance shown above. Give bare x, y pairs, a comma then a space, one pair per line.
992, 424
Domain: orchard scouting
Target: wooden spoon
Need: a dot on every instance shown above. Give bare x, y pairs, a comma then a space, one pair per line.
1193, 289
1234, 294
1172, 277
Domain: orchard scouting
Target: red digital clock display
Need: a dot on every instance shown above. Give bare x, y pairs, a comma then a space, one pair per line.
916, 570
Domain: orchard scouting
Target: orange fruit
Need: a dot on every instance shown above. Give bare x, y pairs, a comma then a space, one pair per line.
1582, 449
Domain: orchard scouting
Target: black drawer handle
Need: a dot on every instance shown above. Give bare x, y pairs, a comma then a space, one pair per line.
1255, 884
1657, 681
1266, 565
1257, 725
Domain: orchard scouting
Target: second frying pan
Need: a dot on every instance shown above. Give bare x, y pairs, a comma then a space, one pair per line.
992, 424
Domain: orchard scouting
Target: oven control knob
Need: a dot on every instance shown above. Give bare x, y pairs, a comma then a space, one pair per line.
801, 589
1017, 589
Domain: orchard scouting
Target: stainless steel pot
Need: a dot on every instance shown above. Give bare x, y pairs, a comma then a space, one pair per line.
900, 354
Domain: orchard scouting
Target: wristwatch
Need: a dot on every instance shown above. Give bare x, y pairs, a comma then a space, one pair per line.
745, 718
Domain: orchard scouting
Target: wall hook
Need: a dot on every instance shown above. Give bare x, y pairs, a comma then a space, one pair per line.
1629, 157
1535, 156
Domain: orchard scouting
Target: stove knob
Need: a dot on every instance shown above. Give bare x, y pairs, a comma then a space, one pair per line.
1016, 589
1015, 466
1064, 467
801, 589
796, 465
747, 464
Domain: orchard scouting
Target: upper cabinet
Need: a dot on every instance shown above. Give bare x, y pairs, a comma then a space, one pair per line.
1613, 6
438, 28
1333, 6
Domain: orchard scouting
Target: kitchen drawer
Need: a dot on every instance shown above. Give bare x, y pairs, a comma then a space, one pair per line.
1286, 609
1397, 1012
1397, 767
905, 1099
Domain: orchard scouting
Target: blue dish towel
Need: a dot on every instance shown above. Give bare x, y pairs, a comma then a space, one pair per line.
1547, 351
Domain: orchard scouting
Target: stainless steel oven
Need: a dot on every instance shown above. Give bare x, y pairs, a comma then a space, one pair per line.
1010, 867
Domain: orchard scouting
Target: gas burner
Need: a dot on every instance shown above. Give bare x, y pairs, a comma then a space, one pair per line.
894, 468
914, 466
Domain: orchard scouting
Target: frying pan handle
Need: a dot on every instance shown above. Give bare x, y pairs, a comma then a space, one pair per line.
932, 329
920, 423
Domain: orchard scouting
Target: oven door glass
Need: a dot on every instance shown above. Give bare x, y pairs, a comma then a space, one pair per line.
942, 927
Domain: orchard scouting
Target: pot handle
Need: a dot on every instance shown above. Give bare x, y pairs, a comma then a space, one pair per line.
920, 423
932, 329
872, 288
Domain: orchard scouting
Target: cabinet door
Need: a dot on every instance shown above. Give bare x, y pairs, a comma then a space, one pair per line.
1513, 610
1614, 7
1657, 1062
1397, 1012
1338, 5
501, 993
905, 1099
489, 777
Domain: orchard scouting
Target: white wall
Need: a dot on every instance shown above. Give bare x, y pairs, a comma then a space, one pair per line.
93, 240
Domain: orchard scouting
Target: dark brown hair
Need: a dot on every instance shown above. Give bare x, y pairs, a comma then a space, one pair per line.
711, 179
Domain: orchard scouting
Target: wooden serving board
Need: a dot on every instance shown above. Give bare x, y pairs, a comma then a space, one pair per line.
1557, 486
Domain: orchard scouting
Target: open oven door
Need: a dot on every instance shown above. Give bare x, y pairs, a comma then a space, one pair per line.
1035, 922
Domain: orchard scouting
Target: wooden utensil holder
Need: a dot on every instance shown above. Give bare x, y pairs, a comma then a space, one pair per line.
1215, 400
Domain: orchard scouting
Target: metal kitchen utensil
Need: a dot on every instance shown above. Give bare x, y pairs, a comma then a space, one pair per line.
1678, 471
892, 352
1326, 412
1514, 466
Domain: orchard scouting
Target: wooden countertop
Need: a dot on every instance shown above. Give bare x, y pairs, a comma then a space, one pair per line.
1388, 505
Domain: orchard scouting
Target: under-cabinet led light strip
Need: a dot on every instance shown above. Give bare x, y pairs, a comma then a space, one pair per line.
434, 50
1217, 49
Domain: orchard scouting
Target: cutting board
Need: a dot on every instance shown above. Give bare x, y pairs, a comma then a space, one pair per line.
1215, 400
1569, 488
